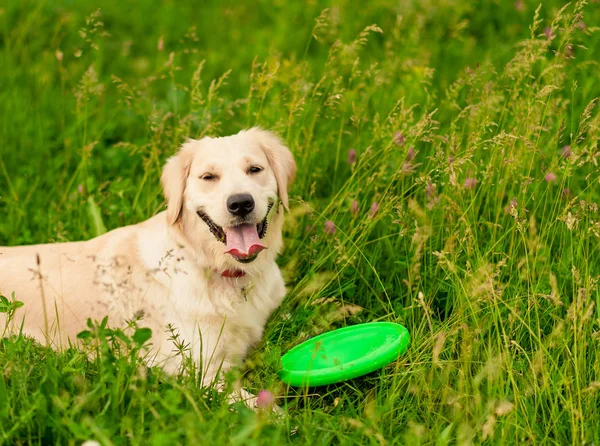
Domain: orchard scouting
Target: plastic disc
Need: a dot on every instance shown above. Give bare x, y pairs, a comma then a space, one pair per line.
343, 354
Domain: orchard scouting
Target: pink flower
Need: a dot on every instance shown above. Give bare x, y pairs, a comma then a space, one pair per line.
550, 177
470, 183
399, 138
354, 207
374, 209
566, 151
330, 227
265, 399
351, 156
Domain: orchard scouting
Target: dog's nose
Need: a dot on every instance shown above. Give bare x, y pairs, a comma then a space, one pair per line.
240, 204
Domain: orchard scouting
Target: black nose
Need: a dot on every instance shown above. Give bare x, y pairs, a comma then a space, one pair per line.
240, 204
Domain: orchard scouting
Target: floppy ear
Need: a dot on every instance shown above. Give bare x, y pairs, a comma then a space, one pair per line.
280, 159
173, 179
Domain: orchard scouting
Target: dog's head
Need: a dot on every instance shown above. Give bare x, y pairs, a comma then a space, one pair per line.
224, 193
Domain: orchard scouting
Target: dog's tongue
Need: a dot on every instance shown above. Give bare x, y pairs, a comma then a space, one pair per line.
243, 241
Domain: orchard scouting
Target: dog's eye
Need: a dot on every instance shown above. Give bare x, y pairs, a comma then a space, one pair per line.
255, 169
208, 177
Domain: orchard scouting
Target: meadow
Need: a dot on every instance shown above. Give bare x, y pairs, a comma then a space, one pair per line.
448, 180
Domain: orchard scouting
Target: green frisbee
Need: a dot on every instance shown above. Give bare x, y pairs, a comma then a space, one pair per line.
343, 354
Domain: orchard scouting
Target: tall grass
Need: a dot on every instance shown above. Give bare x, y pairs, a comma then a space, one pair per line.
448, 180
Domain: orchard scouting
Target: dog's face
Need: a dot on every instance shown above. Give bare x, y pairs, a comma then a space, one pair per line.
230, 188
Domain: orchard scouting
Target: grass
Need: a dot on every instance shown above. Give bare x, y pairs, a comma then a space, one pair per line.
475, 127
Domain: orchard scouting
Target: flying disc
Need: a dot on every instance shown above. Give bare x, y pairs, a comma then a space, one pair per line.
343, 354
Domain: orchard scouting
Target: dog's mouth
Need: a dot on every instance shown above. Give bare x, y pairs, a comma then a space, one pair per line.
243, 241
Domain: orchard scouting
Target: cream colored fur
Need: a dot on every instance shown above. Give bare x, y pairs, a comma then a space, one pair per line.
169, 267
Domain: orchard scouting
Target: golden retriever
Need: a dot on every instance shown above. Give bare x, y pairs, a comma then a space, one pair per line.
206, 265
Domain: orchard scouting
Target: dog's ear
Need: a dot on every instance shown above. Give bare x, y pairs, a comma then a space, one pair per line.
280, 159
173, 179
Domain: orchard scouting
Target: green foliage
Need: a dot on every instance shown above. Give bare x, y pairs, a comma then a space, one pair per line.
467, 211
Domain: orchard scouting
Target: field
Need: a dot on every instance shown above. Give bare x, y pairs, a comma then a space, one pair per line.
448, 179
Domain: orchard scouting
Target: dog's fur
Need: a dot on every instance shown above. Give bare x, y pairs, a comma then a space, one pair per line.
168, 268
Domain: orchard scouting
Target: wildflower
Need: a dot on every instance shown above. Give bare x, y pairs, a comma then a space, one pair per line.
432, 195
265, 399
511, 206
569, 53
550, 177
374, 209
470, 183
399, 138
330, 227
411, 154
408, 168
351, 156
430, 190
354, 207
566, 151
519, 5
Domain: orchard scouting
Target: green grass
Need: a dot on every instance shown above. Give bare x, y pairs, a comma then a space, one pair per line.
485, 243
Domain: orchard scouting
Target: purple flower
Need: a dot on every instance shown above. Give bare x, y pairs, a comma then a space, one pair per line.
354, 207
411, 154
374, 209
566, 151
399, 138
470, 183
550, 177
330, 227
351, 156
265, 399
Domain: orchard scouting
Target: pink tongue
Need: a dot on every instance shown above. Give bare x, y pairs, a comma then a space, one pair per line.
243, 241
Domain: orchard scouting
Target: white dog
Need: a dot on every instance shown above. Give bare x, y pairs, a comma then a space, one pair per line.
206, 265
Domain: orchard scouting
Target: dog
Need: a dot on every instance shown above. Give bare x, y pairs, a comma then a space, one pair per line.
206, 265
